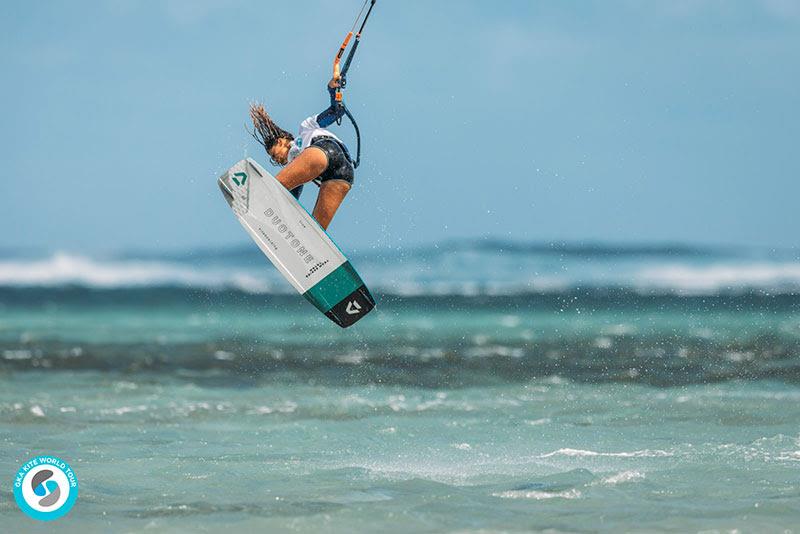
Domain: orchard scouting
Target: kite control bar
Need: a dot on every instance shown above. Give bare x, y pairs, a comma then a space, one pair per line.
340, 72
355, 44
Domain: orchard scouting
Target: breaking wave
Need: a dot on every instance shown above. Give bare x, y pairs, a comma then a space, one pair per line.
461, 268
62, 269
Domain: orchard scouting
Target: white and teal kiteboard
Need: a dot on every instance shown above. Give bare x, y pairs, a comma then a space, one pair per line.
295, 243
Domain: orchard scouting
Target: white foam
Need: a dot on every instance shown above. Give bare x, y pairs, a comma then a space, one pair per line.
621, 478
70, 269
713, 278
538, 495
537, 422
20, 354
123, 410
287, 407
646, 453
65, 268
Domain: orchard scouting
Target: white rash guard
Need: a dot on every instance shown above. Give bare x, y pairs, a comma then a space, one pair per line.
309, 129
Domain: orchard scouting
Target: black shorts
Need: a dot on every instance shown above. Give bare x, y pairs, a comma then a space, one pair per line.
340, 166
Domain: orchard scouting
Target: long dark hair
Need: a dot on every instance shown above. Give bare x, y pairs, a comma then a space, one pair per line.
265, 131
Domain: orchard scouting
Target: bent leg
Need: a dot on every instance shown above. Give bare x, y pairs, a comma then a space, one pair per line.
331, 195
308, 165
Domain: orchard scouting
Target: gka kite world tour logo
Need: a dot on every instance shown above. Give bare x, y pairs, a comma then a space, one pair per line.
45, 488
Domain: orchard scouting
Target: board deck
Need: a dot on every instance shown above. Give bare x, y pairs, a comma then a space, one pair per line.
295, 243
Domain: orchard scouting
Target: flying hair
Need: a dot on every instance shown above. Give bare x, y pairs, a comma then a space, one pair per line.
265, 131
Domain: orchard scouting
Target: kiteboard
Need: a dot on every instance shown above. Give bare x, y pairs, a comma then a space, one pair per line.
295, 243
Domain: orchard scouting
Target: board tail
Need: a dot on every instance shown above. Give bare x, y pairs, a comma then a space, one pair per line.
342, 296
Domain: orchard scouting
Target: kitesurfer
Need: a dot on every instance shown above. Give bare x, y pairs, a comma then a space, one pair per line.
316, 154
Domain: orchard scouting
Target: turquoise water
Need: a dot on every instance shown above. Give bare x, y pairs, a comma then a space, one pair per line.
175, 454
482, 407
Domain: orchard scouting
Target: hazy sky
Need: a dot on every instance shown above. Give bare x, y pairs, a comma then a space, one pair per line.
673, 120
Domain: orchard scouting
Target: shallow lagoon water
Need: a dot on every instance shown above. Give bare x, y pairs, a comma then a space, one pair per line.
176, 454
585, 409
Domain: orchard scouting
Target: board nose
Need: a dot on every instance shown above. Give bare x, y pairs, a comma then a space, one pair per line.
226, 191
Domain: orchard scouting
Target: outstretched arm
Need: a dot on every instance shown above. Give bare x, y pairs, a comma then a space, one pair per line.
335, 111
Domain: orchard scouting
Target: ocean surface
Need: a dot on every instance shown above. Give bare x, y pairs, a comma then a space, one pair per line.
498, 386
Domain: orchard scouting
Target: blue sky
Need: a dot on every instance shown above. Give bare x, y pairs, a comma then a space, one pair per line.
623, 121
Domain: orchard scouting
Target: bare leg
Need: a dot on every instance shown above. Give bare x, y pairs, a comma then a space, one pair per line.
308, 165
331, 195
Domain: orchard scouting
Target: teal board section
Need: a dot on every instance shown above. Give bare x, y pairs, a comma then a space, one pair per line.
334, 288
